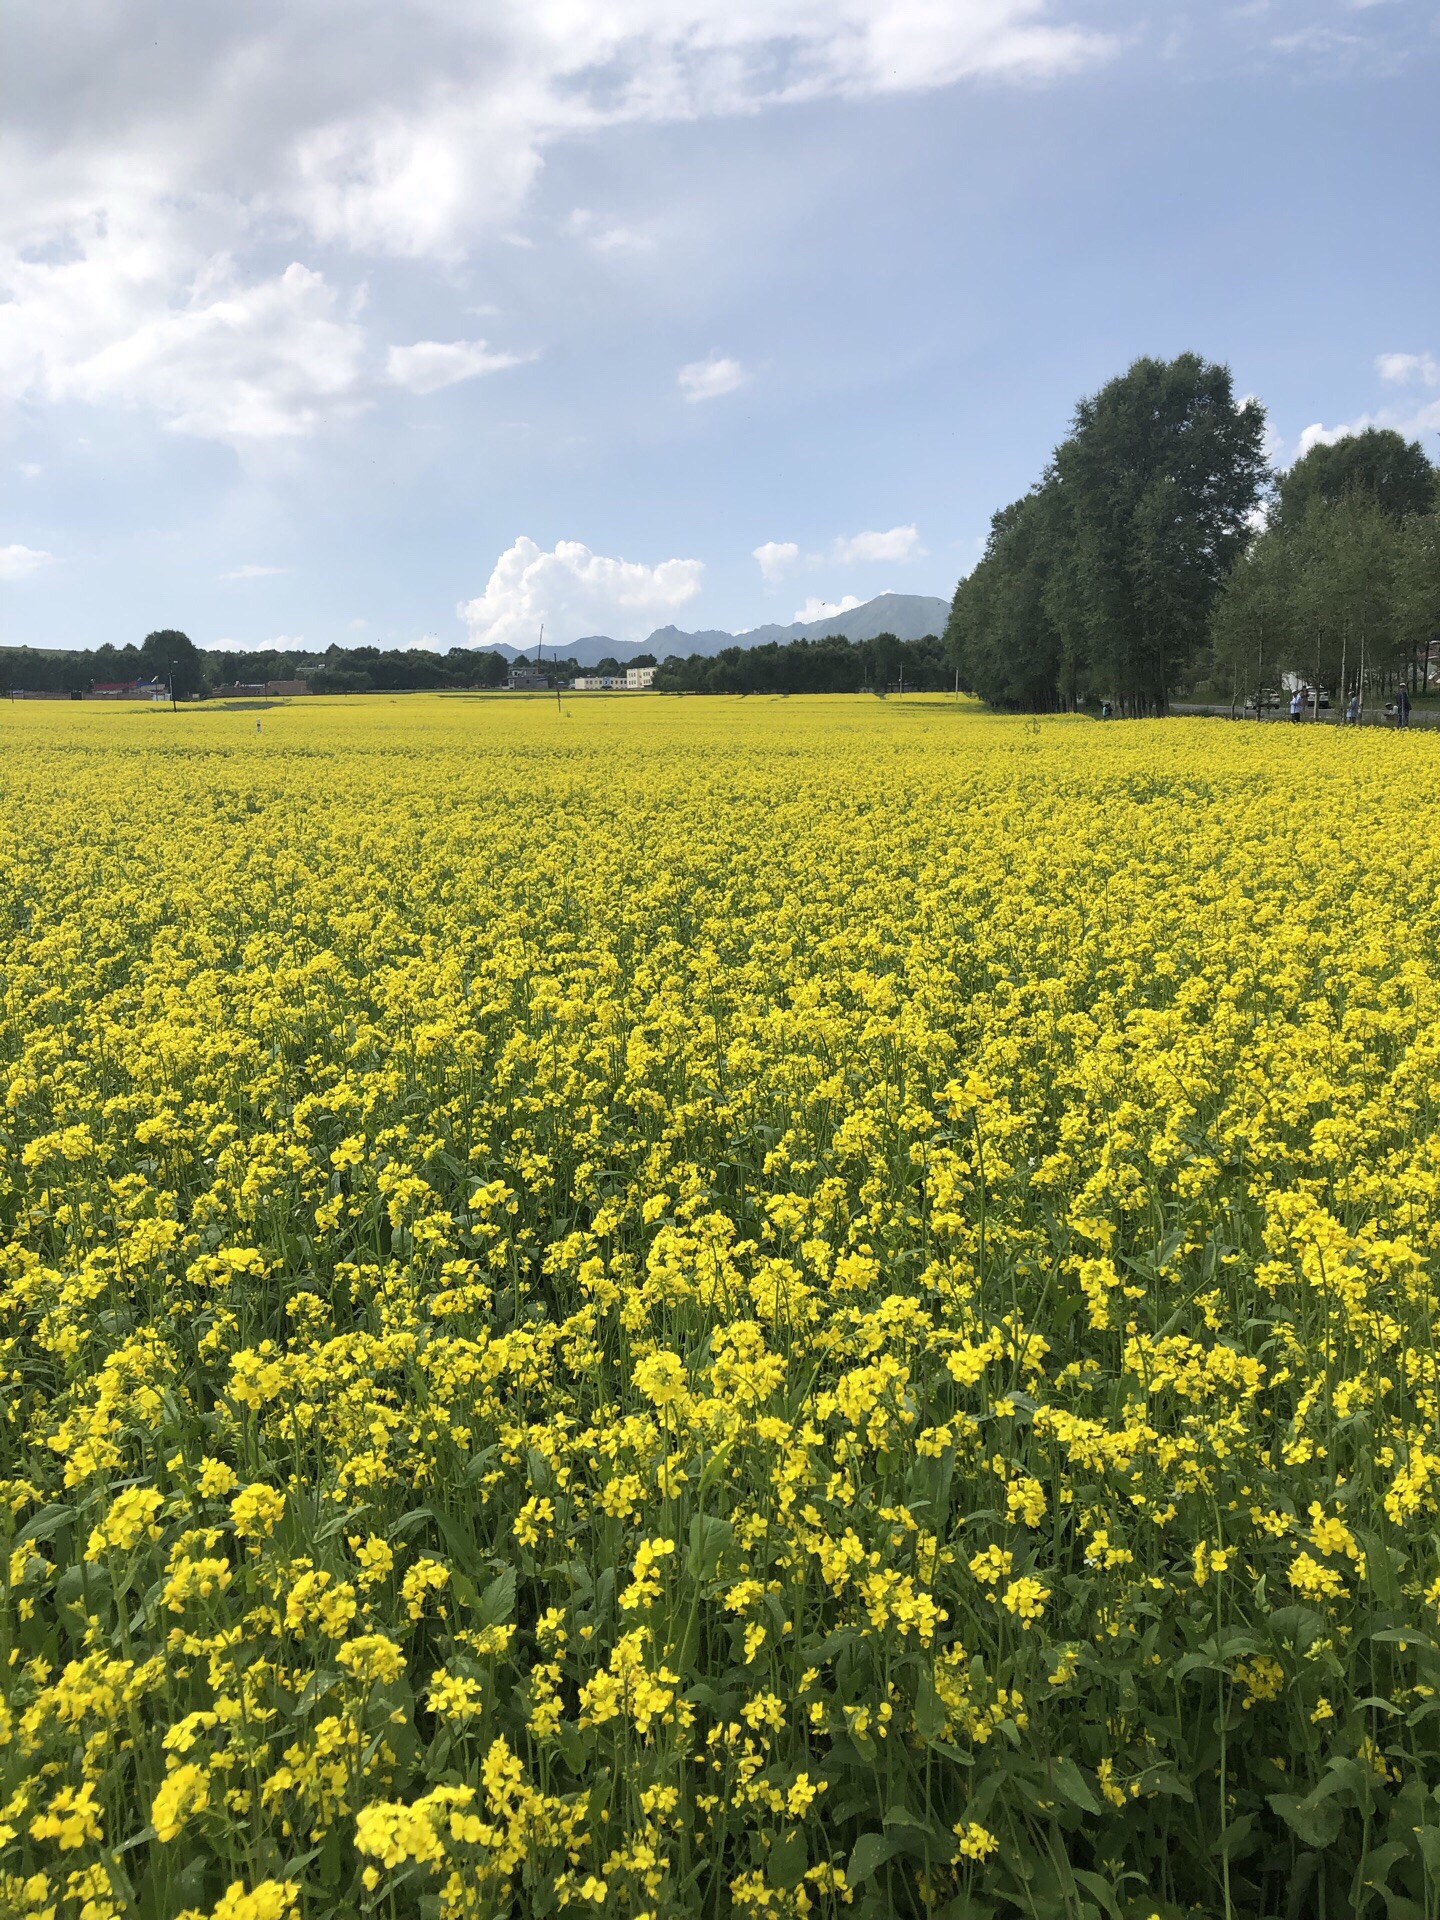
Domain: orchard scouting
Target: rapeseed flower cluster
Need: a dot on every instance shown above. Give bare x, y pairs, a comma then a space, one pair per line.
729, 1308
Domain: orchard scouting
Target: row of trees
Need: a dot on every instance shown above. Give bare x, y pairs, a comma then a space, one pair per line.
1158, 553
1342, 588
172, 657
831, 664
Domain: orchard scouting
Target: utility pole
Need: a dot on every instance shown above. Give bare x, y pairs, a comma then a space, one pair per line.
170, 683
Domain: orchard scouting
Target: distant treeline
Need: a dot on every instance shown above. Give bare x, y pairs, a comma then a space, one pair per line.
831, 664
1159, 553
171, 656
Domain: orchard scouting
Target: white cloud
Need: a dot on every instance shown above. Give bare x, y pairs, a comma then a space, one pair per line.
708, 379
139, 235
431, 364
776, 557
602, 237
1317, 39
442, 133
17, 562
31, 469
252, 570
575, 592
1318, 434
817, 609
222, 360
899, 543
1413, 426
1399, 369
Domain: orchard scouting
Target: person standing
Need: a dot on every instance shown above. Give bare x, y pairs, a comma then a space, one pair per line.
1297, 704
1402, 705
1352, 710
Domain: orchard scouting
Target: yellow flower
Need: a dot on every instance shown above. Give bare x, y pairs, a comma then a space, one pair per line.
256, 1511
215, 1480
184, 1791
1025, 1598
453, 1697
71, 1819
267, 1900
662, 1379
129, 1519
371, 1658
976, 1842
991, 1565
425, 1577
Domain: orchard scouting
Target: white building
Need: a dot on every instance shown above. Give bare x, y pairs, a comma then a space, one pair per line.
633, 680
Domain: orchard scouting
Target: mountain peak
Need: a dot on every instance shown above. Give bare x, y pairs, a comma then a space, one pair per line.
909, 616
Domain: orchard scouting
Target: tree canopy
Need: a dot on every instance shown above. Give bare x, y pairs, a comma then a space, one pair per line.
1380, 464
1102, 579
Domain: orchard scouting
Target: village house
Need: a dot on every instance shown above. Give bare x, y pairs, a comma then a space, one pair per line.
633, 680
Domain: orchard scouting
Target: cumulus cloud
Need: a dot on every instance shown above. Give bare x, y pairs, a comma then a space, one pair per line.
1414, 426
575, 592
1400, 369
899, 543
1317, 434
776, 557
222, 360
252, 570
138, 237
17, 562
432, 364
603, 236
708, 379
818, 609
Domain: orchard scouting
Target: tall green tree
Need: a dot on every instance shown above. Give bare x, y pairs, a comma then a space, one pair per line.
1417, 594
1002, 635
1345, 559
1253, 624
173, 657
1389, 470
1159, 481
1100, 582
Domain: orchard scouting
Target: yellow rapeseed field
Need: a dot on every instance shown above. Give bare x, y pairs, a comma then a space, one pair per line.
716, 1308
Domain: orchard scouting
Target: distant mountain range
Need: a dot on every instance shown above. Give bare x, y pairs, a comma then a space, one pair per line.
909, 616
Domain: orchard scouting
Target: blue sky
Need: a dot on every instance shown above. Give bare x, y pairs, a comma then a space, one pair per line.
355, 322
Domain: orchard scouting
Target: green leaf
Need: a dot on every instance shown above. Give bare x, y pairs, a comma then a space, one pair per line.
497, 1603
45, 1524
1402, 1637
709, 1537
870, 1852
916, 1835
148, 1833
714, 1467
1428, 1841
929, 1712
1072, 1785
1316, 1825
1102, 1890
788, 1860
1232, 1840
1376, 1870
